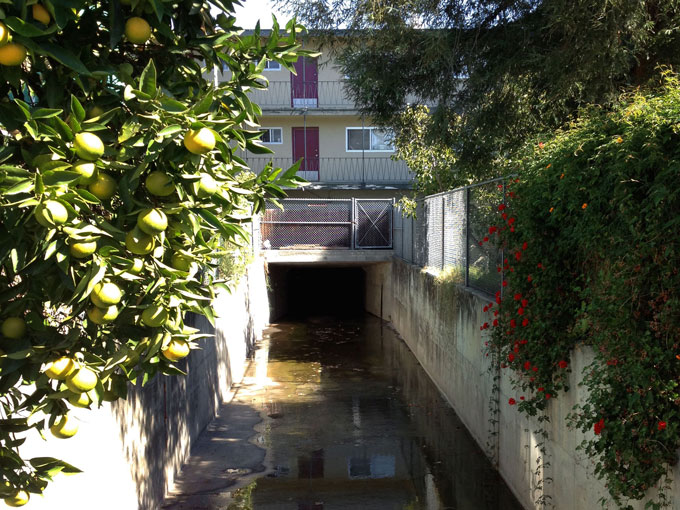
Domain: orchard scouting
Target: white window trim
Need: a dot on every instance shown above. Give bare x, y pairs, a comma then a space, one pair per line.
262, 128
275, 68
361, 150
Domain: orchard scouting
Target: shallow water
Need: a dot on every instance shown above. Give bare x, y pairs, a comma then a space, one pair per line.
354, 422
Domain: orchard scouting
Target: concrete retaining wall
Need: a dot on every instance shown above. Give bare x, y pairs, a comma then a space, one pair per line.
440, 324
131, 450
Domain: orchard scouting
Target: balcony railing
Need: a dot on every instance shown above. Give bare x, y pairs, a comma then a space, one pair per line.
322, 94
355, 170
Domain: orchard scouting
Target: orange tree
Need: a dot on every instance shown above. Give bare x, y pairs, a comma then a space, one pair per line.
119, 182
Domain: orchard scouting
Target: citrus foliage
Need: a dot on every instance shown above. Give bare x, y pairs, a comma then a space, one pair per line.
118, 185
592, 256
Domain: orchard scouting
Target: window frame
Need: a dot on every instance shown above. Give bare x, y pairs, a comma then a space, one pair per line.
365, 128
267, 68
270, 129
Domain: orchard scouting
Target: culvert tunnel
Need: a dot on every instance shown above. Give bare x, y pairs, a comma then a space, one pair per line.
304, 291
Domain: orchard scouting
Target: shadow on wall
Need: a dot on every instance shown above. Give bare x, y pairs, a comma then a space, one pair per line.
159, 422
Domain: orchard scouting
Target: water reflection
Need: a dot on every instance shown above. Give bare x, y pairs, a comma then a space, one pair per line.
354, 422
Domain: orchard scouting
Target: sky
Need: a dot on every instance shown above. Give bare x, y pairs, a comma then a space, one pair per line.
252, 10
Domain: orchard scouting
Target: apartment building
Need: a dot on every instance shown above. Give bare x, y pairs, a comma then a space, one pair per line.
308, 116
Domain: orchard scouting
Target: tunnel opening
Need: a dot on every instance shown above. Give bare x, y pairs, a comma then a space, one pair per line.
301, 292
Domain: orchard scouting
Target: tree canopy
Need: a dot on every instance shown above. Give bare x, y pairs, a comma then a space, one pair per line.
119, 188
501, 70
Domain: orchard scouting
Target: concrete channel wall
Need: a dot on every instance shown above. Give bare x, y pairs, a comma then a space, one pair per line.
441, 326
131, 450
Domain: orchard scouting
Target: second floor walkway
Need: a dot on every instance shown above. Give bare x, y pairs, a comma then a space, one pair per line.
344, 171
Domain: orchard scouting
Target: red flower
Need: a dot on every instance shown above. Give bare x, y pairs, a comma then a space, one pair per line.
513, 324
541, 145
540, 266
521, 398
541, 388
495, 313
486, 238
520, 311
518, 255
498, 293
504, 216
499, 269
511, 357
495, 323
563, 364
492, 230
524, 303
599, 426
522, 342
525, 322
662, 425
512, 401
529, 278
525, 246
498, 300
547, 396
505, 284
502, 206
511, 221
486, 308
512, 229
535, 369
480, 243
527, 365
518, 297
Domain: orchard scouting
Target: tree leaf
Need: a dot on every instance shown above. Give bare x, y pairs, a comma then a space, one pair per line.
147, 80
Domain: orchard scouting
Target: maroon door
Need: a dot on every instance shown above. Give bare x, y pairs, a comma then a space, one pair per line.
306, 146
304, 86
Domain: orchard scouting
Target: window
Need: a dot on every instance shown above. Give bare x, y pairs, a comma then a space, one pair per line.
368, 139
272, 135
272, 66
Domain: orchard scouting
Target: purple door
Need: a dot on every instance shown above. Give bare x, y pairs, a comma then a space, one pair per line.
306, 146
304, 87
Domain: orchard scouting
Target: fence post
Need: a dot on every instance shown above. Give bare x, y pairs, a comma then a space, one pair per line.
467, 236
443, 229
353, 233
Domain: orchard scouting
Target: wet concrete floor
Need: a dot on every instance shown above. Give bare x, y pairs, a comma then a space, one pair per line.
338, 414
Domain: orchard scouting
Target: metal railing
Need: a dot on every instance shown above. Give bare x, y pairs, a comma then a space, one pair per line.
449, 231
305, 224
317, 94
355, 170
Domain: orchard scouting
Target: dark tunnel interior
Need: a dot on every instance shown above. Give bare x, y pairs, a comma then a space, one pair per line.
303, 292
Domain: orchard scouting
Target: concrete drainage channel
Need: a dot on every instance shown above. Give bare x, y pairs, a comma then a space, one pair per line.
337, 413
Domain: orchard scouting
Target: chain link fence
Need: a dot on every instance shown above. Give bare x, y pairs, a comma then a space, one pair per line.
448, 233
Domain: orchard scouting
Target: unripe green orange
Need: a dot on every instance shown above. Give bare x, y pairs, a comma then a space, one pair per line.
13, 327
51, 213
154, 316
88, 146
176, 349
137, 266
83, 249
103, 187
180, 262
66, 426
81, 380
12, 54
106, 294
102, 316
138, 242
60, 369
84, 399
160, 184
152, 221
4, 34
20, 498
40, 14
199, 141
87, 170
137, 30
206, 186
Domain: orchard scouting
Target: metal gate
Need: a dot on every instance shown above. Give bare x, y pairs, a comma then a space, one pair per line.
306, 224
373, 223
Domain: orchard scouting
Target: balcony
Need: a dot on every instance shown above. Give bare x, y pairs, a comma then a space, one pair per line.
344, 171
311, 95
